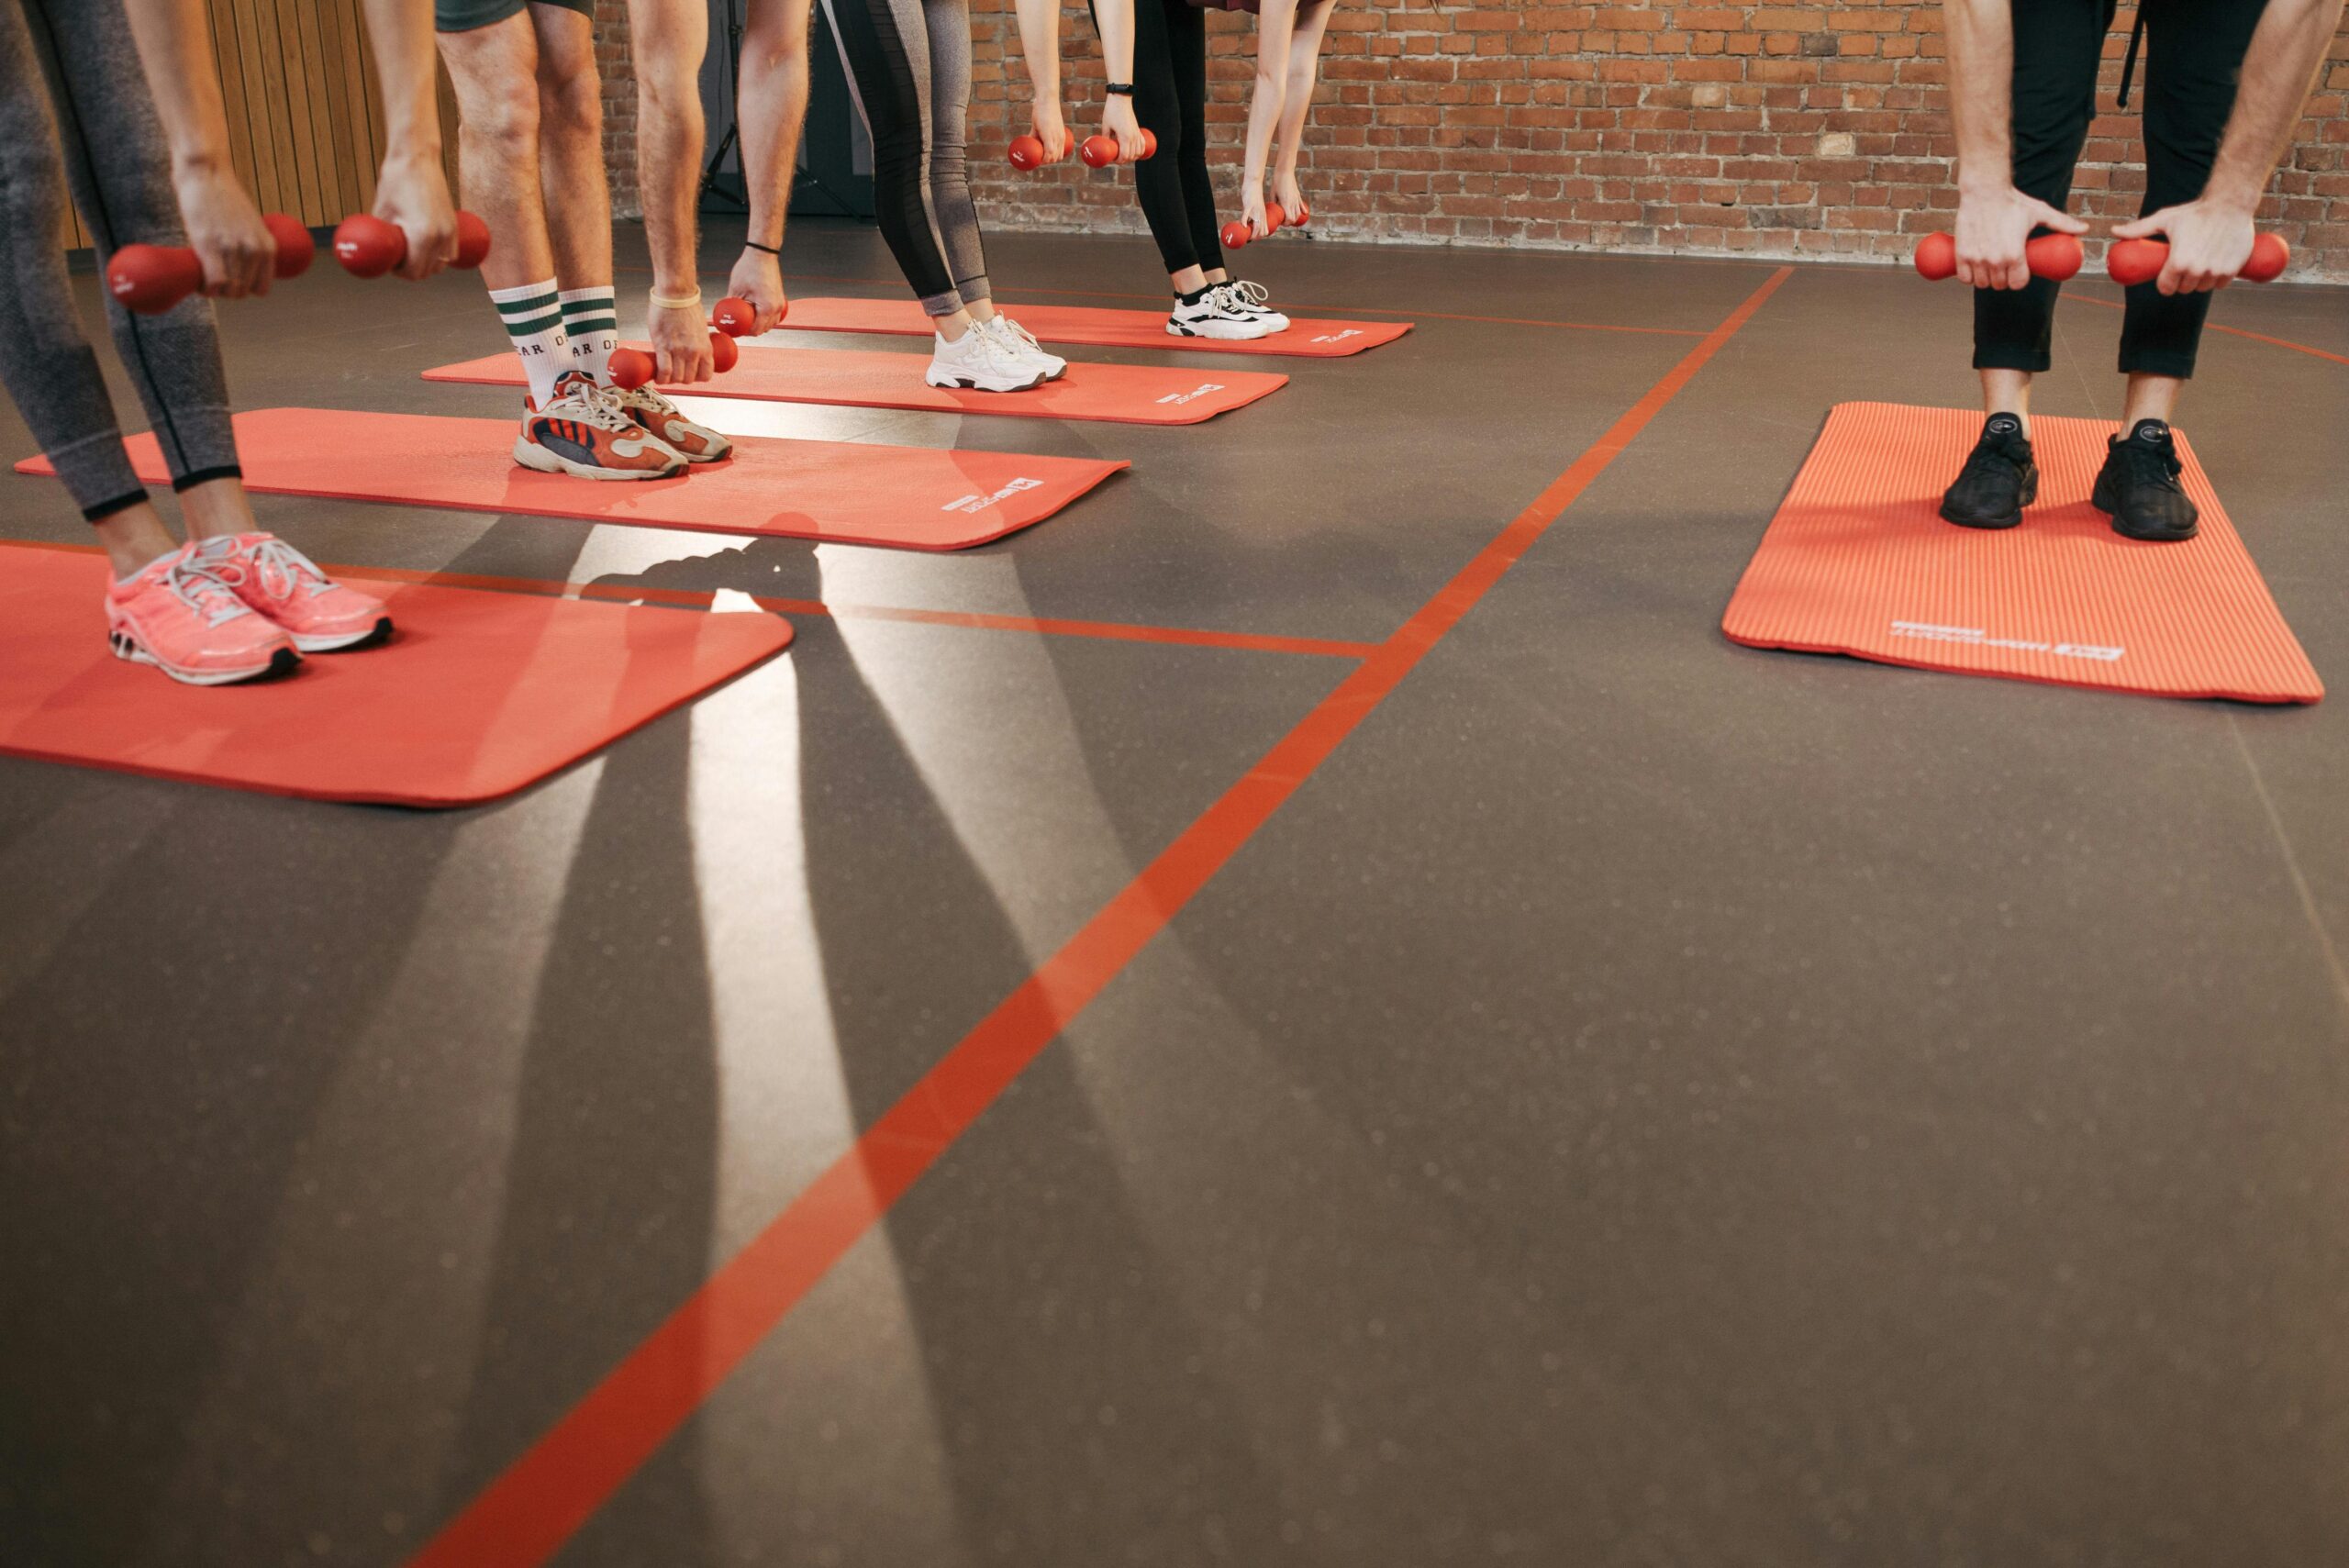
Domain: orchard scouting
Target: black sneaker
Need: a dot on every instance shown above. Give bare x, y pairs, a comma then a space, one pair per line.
2138, 484
1999, 478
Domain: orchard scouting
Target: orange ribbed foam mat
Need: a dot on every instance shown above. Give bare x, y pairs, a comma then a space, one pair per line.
1858, 561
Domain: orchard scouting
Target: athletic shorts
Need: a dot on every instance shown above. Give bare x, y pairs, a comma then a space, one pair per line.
465, 15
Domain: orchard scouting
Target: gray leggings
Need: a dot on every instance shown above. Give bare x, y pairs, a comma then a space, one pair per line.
116, 161
910, 65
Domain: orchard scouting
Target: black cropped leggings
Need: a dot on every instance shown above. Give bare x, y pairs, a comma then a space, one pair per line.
1170, 102
76, 113
2194, 52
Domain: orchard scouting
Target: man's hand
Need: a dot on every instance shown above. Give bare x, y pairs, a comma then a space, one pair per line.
2208, 242
680, 343
413, 194
1118, 123
1050, 129
239, 257
757, 281
1993, 225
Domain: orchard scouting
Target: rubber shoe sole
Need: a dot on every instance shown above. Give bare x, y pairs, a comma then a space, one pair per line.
347, 642
973, 383
282, 661
1219, 331
2006, 520
531, 455
2101, 499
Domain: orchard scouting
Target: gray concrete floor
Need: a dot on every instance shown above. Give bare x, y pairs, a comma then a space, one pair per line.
1642, 1101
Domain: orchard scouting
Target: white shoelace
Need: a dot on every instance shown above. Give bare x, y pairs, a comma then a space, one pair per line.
593, 405
990, 351
282, 569
1246, 295
1019, 332
195, 584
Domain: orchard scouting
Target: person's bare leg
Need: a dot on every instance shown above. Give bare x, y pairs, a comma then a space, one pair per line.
953, 325
2150, 397
135, 538
217, 507
2008, 392
577, 199
492, 70
1190, 280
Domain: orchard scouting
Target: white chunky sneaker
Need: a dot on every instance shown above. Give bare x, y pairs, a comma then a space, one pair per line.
1021, 344
1216, 313
1249, 298
978, 361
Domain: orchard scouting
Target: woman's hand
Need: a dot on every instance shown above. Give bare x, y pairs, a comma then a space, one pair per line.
1251, 210
1119, 124
239, 255
413, 194
1051, 130
757, 281
680, 343
1292, 195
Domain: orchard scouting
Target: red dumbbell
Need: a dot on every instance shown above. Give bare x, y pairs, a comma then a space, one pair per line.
1235, 235
368, 247
150, 279
2054, 256
1275, 215
2140, 261
1148, 142
1027, 153
1304, 216
734, 317
723, 352
630, 368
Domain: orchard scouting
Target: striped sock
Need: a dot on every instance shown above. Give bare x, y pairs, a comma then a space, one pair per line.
592, 321
535, 323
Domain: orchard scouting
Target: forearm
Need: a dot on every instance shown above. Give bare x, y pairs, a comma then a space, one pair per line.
1304, 67
1981, 40
174, 41
668, 178
1275, 25
2284, 53
400, 32
770, 109
1040, 46
1114, 19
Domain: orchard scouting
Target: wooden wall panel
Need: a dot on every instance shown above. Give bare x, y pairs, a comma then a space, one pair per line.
305, 128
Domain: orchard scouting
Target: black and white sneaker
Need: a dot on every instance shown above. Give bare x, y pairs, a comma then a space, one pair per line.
1243, 296
1214, 311
2138, 486
1999, 478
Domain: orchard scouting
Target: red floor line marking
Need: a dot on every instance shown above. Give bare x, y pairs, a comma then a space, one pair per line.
527, 1514
1350, 309
701, 598
2235, 331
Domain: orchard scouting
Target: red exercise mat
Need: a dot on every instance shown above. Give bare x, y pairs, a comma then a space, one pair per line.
1099, 324
841, 492
858, 378
476, 696
1859, 562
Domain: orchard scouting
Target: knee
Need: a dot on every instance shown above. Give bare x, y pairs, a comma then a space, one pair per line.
572, 107
505, 129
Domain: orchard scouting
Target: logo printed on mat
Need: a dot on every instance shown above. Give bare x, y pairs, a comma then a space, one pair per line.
1194, 395
1339, 337
1974, 636
981, 503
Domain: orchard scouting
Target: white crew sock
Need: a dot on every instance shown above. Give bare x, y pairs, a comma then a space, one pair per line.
592, 321
533, 320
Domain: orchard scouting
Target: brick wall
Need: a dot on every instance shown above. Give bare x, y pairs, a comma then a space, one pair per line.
620, 103
1786, 130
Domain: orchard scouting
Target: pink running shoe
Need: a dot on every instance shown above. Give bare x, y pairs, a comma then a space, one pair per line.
177, 615
281, 584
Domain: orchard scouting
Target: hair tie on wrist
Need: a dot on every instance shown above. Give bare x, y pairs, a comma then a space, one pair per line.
676, 302
775, 251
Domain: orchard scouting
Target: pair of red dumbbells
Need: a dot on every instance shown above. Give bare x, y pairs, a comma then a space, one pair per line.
1027, 152
1237, 233
150, 279
2057, 257
733, 318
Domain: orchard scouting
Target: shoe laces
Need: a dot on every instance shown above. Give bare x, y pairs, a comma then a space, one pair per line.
1014, 335
281, 570
592, 405
989, 351
1245, 295
202, 590
2149, 462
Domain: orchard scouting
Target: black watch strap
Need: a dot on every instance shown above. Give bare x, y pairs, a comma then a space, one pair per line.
1120, 89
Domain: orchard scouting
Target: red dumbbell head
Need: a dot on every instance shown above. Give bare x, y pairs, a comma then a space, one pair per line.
153, 278
367, 246
1304, 216
722, 351
2132, 261
2269, 257
472, 240
2056, 257
1235, 235
1027, 153
734, 317
631, 368
1148, 142
1098, 151
1275, 215
1937, 257
295, 249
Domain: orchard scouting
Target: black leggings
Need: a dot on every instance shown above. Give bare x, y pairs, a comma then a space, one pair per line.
76, 113
1170, 102
2194, 52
